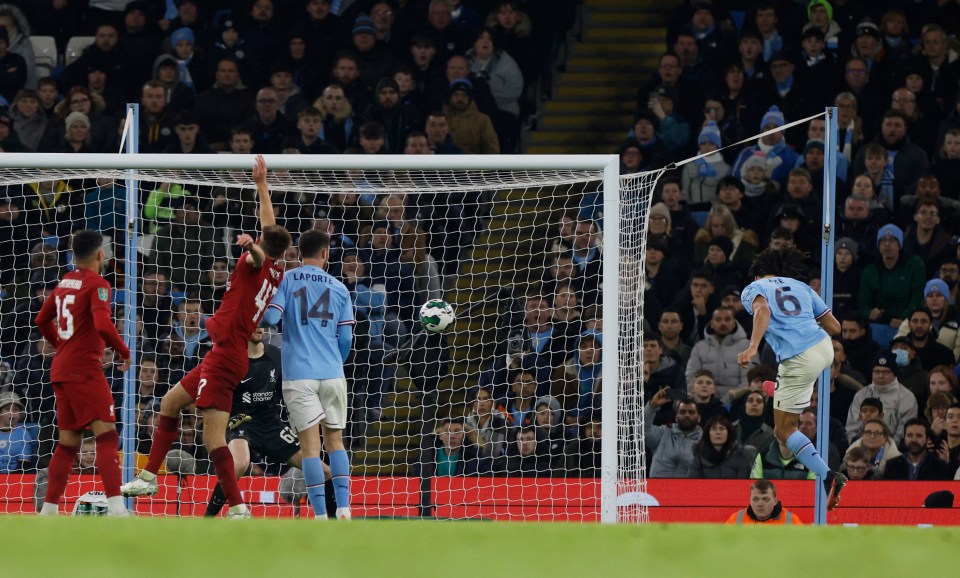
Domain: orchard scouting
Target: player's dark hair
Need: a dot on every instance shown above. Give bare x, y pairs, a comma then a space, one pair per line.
781, 233
312, 242
276, 240
764, 372
86, 243
784, 262
764, 486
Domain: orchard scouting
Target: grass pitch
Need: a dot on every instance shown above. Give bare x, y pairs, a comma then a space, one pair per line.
102, 548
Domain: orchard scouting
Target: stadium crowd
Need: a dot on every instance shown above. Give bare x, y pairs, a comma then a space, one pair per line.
447, 77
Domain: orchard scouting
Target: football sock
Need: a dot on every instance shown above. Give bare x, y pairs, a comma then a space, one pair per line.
223, 462
108, 462
807, 454
340, 472
163, 439
217, 500
314, 479
59, 470
115, 505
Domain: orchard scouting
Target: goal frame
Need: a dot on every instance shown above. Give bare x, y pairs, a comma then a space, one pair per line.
132, 161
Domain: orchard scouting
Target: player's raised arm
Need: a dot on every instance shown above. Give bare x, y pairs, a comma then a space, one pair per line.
267, 216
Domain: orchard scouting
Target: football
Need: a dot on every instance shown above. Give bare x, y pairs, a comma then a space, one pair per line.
437, 316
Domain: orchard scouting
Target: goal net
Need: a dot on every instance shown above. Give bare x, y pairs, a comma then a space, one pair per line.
503, 416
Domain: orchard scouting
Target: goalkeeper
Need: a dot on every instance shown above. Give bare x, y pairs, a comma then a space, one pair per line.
255, 421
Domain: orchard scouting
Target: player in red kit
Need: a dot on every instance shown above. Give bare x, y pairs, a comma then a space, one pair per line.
75, 319
211, 384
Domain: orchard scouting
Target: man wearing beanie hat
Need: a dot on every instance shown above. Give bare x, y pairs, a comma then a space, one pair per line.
946, 322
780, 158
674, 130
701, 178
846, 277
718, 262
375, 59
646, 125
891, 288
398, 119
899, 404
797, 326
471, 130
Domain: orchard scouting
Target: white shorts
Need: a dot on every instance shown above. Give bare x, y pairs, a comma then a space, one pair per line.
798, 375
311, 401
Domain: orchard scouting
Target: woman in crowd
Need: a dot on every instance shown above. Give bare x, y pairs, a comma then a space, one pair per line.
718, 454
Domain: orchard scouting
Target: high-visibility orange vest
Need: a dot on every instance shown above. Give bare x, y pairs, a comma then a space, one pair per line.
786, 517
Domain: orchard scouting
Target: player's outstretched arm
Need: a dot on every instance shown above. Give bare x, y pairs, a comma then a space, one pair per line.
255, 255
267, 216
761, 320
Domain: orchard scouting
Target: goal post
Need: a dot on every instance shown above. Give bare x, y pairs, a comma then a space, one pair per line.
539, 187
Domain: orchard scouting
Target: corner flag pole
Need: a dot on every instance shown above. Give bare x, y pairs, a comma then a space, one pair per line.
826, 292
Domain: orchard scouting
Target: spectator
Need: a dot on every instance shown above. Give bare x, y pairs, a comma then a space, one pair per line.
224, 106
856, 465
587, 362
500, 70
935, 62
148, 378
695, 305
669, 73
780, 159
718, 455
703, 389
485, 426
398, 119
108, 52
472, 130
385, 267
187, 242
670, 326
372, 139
29, 120
230, 44
717, 352
846, 277
439, 138
289, 94
339, 125
951, 437
672, 446
679, 244
665, 368
646, 127
917, 464
856, 337
702, 178
179, 96
877, 445
583, 453
269, 127
912, 375
747, 211
717, 262
18, 445
946, 163
449, 455
751, 428
525, 456
892, 288
551, 433
924, 338
859, 222
926, 239
308, 141
78, 134
899, 404
764, 506
936, 410
189, 140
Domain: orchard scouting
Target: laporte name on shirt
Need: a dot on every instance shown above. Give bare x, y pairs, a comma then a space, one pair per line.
298, 275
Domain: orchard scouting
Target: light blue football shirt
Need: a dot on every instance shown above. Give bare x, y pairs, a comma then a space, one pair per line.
313, 305
794, 310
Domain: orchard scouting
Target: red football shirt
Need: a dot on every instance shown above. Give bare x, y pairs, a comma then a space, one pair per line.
249, 291
76, 319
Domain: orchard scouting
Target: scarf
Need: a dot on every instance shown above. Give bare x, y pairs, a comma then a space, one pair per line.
845, 146
185, 77
886, 182
783, 88
772, 45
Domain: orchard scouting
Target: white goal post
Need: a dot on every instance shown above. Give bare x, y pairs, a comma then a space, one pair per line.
625, 204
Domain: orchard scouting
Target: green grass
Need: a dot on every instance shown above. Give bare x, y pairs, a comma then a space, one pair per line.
101, 547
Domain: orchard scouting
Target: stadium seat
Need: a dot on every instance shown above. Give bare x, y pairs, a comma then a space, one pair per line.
75, 47
45, 53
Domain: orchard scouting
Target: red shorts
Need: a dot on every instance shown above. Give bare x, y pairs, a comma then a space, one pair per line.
80, 403
212, 382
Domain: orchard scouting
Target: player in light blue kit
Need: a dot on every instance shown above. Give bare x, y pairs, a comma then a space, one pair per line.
796, 323
318, 323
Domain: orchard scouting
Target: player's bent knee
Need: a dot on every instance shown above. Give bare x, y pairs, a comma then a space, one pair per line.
174, 400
